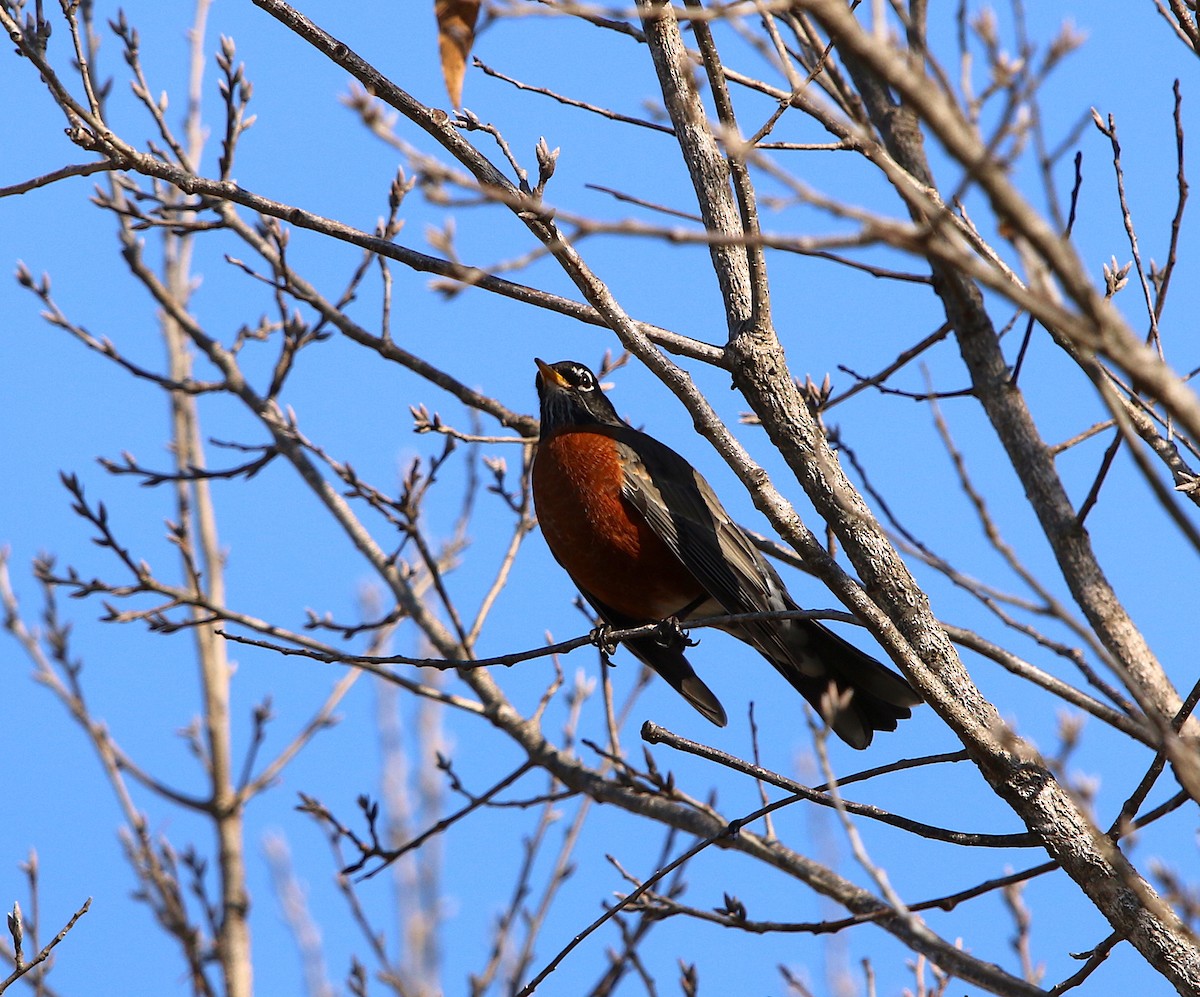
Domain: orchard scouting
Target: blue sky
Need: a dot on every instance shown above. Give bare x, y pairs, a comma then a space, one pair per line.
62, 407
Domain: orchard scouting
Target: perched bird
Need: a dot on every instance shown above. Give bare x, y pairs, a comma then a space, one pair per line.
644, 538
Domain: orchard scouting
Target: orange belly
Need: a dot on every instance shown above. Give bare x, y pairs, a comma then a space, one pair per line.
605, 544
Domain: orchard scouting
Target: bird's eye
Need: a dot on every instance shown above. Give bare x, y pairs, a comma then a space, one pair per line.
583, 379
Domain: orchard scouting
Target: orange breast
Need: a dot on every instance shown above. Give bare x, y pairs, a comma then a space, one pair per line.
604, 543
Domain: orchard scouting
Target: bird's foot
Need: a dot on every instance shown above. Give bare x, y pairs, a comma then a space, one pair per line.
671, 633
603, 639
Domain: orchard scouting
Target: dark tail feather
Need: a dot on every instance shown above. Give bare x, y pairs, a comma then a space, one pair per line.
853, 692
668, 661
665, 656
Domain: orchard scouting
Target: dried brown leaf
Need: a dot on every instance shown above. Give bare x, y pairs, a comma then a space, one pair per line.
456, 31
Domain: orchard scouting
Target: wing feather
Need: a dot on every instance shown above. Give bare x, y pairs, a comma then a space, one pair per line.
685, 513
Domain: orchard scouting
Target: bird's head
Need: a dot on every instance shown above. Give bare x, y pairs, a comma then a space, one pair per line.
570, 395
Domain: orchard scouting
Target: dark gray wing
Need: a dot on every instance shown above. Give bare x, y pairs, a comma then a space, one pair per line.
685, 513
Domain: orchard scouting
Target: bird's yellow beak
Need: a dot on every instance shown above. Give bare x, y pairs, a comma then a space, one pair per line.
549, 375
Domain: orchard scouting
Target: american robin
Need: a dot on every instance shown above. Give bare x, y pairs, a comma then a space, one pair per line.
644, 538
